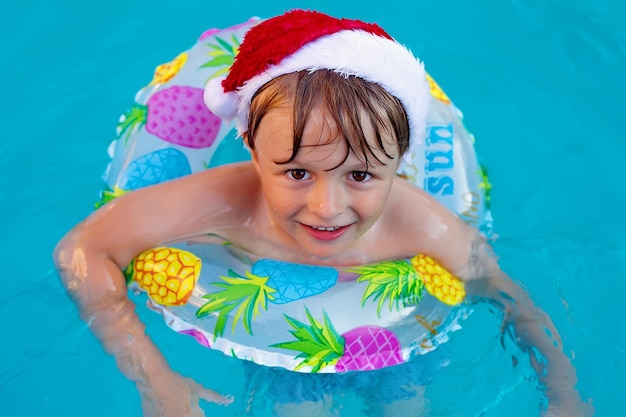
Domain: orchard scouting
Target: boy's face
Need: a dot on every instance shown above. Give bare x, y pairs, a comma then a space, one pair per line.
323, 201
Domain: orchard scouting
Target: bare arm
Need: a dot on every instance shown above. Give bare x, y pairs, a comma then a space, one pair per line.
104, 305
533, 330
90, 259
462, 250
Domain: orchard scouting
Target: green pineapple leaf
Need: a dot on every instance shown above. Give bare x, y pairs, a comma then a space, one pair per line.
218, 61
485, 185
233, 274
246, 296
109, 195
394, 281
222, 55
319, 344
232, 48
129, 272
133, 119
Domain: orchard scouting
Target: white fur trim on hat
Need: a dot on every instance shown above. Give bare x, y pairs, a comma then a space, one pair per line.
222, 104
347, 52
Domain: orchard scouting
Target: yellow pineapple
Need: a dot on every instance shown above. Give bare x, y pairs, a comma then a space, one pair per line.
168, 275
439, 282
165, 72
436, 91
399, 282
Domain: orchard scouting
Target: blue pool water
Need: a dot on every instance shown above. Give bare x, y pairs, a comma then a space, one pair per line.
541, 85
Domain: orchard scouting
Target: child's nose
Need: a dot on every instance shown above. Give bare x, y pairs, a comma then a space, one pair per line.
327, 200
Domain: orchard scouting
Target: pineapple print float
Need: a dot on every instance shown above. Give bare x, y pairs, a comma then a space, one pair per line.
268, 281
436, 91
153, 168
168, 275
440, 283
485, 185
165, 72
222, 55
399, 284
363, 348
176, 115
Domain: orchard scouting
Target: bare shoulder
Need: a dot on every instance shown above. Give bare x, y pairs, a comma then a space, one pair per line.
232, 182
219, 196
418, 211
188, 206
423, 225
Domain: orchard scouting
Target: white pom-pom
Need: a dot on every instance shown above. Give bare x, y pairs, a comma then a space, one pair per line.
222, 104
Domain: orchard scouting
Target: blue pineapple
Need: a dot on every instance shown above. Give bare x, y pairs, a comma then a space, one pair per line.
155, 167
268, 281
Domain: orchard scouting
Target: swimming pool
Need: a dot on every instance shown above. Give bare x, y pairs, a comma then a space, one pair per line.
540, 84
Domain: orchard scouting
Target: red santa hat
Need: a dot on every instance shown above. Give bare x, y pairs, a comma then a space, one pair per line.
306, 40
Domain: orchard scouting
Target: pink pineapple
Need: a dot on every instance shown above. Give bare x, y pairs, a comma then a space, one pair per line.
360, 349
367, 348
177, 115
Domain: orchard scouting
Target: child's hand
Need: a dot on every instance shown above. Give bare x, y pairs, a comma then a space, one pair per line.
173, 395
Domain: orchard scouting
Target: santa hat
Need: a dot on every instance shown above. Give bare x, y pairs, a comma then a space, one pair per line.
306, 40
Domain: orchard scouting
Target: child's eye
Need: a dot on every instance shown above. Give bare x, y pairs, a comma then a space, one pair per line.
360, 176
298, 174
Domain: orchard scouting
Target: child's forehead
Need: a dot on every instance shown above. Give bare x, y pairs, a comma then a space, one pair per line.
323, 133
326, 126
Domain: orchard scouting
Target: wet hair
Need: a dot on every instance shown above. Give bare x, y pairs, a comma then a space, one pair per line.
350, 101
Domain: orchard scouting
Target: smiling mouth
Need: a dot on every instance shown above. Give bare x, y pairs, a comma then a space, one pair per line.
326, 229
325, 233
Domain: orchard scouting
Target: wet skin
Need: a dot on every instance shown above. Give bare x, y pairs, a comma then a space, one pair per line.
327, 198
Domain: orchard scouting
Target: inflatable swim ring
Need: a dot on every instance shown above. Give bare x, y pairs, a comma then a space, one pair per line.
300, 317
